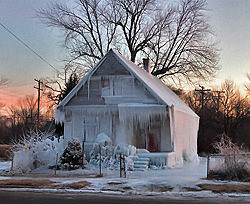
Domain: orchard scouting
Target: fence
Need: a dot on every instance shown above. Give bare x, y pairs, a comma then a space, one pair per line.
223, 163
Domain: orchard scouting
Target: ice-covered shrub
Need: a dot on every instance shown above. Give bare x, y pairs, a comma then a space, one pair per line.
226, 146
125, 150
111, 156
103, 144
72, 157
129, 152
235, 165
35, 150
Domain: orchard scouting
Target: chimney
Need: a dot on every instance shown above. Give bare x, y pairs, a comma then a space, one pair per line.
146, 64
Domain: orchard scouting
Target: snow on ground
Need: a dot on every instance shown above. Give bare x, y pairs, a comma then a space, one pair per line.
152, 182
5, 165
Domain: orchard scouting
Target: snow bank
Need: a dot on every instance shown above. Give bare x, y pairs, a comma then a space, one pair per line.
190, 155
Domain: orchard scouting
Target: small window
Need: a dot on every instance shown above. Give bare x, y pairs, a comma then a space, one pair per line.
105, 83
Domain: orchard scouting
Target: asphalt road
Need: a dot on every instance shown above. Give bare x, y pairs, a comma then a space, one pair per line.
14, 197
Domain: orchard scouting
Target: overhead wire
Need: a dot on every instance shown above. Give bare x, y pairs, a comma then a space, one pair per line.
27, 46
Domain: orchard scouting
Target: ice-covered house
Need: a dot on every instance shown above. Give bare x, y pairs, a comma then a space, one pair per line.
131, 106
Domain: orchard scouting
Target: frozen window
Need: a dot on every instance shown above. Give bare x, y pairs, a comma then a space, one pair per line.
106, 87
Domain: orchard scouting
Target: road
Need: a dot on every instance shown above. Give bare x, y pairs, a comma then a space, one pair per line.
14, 197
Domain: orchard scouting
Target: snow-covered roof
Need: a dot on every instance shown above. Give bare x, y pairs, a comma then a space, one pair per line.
154, 85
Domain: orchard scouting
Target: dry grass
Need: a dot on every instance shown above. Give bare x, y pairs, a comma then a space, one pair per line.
32, 183
17, 183
226, 188
116, 183
5, 151
75, 185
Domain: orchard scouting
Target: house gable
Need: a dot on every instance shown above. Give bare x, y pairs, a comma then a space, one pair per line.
111, 66
110, 84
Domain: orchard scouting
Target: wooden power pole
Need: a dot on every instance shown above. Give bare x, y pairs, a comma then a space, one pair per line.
38, 99
202, 91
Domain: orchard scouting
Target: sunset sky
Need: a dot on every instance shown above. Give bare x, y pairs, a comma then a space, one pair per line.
229, 20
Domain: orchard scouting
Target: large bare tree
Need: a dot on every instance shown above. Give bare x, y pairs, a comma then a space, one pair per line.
183, 49
138, 21
88, 36
177, 37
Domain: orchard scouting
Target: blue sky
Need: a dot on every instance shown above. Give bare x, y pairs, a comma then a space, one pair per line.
229, 19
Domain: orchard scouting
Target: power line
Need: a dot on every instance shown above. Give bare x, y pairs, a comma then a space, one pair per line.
28, 47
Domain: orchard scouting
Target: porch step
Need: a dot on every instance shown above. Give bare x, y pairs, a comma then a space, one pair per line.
141, 161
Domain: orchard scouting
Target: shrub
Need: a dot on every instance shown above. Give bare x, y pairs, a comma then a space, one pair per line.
35, 150
72, 157
236, 161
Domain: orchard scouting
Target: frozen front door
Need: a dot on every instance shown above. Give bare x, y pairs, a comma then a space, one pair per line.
153, 138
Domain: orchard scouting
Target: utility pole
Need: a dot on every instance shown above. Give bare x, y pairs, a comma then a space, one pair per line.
218, 98
201, 129
38, 99
202, 91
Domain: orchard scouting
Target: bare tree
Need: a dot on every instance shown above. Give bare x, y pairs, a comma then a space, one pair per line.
1, 107
25, 112
248, 84
138, 22
234, 106
88, 36
176, 37
54, 88
225, 110
183, 49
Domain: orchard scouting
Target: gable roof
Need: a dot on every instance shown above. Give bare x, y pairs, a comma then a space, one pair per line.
154, 85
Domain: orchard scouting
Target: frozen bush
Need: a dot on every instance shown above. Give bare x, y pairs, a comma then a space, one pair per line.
103, 144
36, 150
111, 156
232, 162
72, 157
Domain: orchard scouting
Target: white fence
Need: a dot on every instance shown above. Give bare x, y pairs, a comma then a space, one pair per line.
223, 163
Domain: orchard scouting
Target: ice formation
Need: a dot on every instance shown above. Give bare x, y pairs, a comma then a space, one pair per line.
103, 144
36, 151
59, 116
136, 112
190, 155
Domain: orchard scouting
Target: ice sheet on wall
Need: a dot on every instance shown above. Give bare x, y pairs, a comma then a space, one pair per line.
141, 113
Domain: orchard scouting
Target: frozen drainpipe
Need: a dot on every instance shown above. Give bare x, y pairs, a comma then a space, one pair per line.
146, 64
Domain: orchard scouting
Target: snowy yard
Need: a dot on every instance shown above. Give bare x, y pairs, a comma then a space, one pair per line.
182, 181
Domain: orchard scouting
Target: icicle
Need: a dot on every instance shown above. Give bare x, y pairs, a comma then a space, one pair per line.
59, 116
143, 114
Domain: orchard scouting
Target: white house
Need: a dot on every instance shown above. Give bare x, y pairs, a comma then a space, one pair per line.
131, 106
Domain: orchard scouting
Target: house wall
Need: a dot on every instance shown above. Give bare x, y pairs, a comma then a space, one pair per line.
184, 127
166, 145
